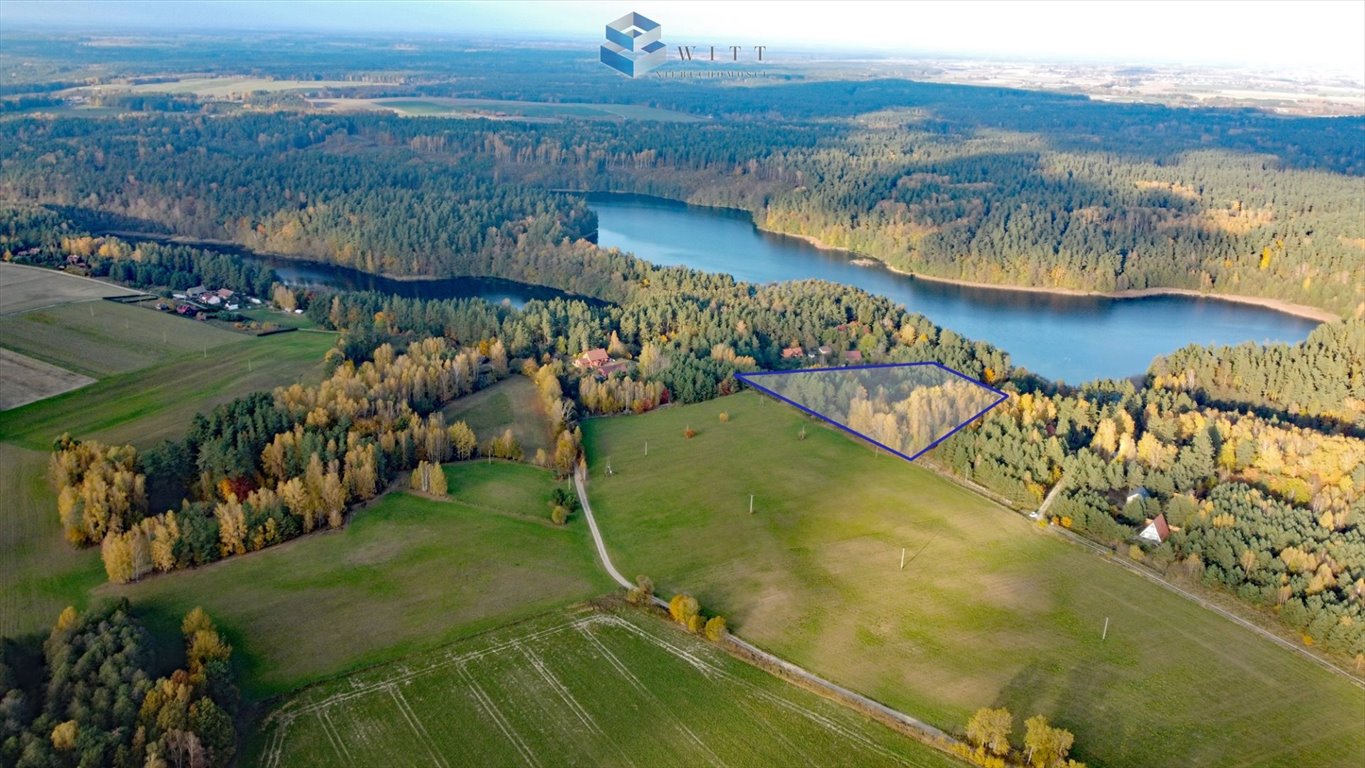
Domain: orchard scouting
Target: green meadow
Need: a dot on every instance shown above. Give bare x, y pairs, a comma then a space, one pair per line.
405, 574
989, 609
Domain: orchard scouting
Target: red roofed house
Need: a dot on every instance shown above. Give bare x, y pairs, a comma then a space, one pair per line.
593, 358
1156, 531
791, 352
853, 356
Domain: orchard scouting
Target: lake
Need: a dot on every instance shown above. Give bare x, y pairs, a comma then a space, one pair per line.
1073, 338
300, 273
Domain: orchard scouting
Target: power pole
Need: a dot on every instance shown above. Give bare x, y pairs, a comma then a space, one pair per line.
902, 558
751, 503
1105, 635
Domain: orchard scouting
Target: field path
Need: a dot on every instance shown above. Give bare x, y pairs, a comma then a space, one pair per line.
834, 691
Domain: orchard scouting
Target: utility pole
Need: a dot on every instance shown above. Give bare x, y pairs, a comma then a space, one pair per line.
1105, 635
902, 558
751, 503
646, 447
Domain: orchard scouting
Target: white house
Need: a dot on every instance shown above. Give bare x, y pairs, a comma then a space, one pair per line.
1156, 531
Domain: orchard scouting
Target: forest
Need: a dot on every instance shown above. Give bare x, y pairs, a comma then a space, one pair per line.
1322, 378
959, 183
99, 702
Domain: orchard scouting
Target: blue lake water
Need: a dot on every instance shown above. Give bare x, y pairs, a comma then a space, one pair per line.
1073, 338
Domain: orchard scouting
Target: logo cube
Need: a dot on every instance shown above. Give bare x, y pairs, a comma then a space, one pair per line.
633, 46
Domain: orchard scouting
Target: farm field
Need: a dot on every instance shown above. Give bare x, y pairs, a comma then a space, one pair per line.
576, 688
405, 574
989, 610
512, 402
99, 338
147, 406
23, 288
451, 107
24, 380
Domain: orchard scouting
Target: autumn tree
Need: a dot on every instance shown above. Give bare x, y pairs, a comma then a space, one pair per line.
715, 629
684, 609
462, 441
1044, 745
990, 729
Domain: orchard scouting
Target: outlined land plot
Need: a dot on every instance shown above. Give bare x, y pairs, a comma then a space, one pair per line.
905, 408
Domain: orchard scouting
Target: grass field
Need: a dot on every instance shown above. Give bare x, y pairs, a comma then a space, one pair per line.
512, 402
405, 574
576, 688
451, 107
989, 610
41, 574
99, 338
23, 288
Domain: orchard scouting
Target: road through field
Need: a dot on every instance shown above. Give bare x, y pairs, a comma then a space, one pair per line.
837, 692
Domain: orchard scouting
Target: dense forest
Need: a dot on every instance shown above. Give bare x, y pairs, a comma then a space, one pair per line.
934, 182
1321, 377
98, 702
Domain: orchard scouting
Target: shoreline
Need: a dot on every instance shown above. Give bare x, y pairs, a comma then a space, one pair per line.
1276, 305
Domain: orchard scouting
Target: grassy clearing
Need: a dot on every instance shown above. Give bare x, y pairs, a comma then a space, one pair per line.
157, 403
576, 688
405, 574
451, 107
512, 402
989, 609
99, 338
229, 86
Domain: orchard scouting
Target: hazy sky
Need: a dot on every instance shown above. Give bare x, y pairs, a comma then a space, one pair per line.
1319, 34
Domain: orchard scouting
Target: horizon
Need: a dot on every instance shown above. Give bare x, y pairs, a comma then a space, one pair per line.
1313, 37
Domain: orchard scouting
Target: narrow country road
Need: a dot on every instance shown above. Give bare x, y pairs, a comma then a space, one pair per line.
596, 534
837, 692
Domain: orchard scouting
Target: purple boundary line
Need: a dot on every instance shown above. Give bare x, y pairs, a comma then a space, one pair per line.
745, 377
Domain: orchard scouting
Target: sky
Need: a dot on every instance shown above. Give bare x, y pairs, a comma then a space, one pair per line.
1323, 35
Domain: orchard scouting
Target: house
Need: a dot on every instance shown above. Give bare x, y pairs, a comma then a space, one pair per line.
225, 294
196, 292
825, 350
1137, 494
184, 309
853, 356
791, 352
1156, 531
593, 358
